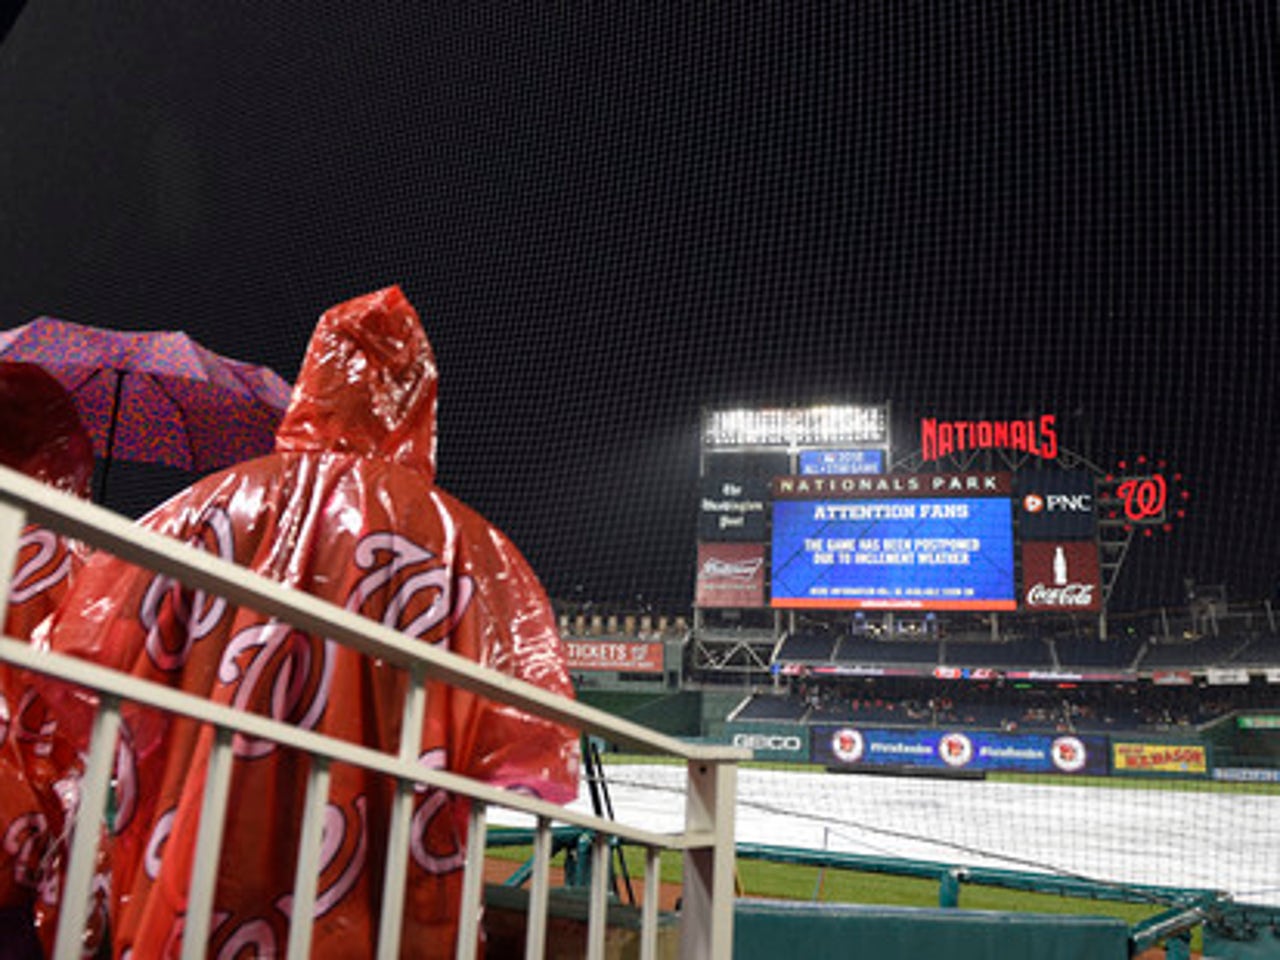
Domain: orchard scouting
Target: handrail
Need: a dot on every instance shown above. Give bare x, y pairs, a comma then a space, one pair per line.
706, 842
105, 530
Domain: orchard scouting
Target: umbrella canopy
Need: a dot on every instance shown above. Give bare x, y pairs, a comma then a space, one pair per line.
156, 397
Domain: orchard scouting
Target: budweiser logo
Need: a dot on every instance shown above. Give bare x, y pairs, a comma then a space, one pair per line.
730, 569
1070, 595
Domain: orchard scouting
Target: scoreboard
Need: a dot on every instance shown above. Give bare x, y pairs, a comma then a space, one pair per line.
798, 509
913, 542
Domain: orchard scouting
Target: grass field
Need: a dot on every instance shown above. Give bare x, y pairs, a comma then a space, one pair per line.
756, 878
882, 886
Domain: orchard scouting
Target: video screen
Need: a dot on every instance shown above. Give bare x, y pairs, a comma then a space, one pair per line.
907, 553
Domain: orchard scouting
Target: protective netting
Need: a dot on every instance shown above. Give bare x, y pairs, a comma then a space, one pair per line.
613, 218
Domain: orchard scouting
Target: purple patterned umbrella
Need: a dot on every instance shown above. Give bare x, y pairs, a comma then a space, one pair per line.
156, 397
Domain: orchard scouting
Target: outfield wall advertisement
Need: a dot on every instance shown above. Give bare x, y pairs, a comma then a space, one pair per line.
843, 746
1179, 759
771, 741
854, 747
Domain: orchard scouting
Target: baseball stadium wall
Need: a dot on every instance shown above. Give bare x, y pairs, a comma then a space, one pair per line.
1233, 749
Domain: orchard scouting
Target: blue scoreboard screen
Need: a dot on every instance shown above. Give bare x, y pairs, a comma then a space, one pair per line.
934, 542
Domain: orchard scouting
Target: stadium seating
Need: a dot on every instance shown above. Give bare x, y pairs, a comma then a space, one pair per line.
807, 647
1260, 650
1074, 653
1200, 653
762, 706
864, 650
1030, 653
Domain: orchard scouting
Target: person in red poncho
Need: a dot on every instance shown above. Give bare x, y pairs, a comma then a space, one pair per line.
40, 435
347, 509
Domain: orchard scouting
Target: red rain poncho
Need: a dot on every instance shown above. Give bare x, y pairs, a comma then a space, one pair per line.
345, 509
40, 435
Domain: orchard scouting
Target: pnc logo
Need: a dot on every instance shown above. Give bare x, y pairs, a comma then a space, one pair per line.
1058, 503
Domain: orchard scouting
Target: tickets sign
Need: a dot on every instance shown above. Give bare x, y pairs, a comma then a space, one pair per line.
620, 656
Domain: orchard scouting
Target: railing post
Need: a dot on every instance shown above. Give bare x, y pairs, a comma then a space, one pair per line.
94, 787
598, 897
649, 907
12, 521
539, 893
949, 887
208, 844
396, 868
471, 907
302, 906
706, 923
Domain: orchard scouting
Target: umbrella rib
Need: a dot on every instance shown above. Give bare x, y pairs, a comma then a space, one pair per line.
88, 378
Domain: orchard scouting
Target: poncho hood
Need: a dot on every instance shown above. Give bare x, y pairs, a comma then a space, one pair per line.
367, 386
41, 434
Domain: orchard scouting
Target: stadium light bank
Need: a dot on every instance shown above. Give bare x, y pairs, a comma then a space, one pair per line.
794, 427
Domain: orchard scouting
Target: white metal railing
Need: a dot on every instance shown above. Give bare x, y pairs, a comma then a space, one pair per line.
706, 843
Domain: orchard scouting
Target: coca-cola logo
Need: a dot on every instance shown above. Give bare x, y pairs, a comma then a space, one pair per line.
1069, 595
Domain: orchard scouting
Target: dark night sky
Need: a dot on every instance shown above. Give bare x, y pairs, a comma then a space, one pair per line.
611, 216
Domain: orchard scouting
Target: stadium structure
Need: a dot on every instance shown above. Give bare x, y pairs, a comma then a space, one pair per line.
944, 614
978, 567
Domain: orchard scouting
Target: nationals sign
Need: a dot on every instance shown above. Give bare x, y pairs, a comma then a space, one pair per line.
943, 438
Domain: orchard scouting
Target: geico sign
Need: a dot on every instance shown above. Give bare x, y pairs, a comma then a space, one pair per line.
766, 741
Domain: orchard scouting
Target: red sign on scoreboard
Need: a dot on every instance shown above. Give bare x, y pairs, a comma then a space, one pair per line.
730, 575
1061, 575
